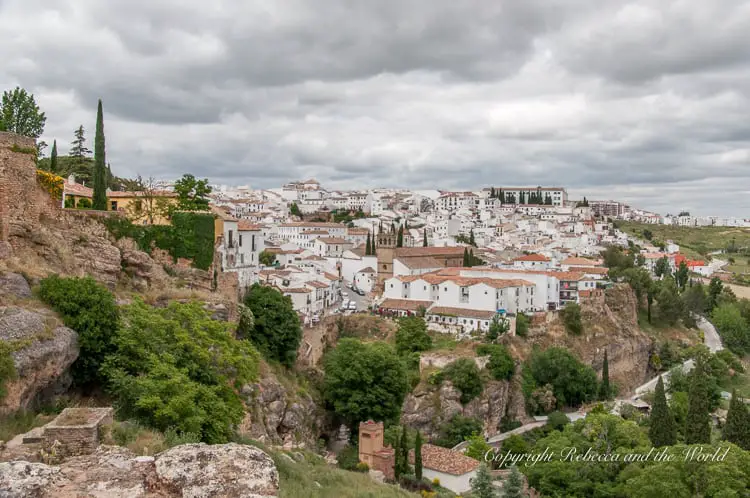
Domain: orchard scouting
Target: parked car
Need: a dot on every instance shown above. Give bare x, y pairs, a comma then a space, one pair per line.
345, 305
360, 292
353, 306
345, 295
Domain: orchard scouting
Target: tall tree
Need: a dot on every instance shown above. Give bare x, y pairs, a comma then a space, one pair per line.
604, 391
737, 428
368, 246
714, 291
681, 275
661, 268
513, 485
276, 332
671, 306
698, 424
397, 465
100, 171
404, 451
424, 238
481, 484
400, 237
662, 430
78, 147
192, 194
20, 114
53, 158
471, 238
418, 456
465, 263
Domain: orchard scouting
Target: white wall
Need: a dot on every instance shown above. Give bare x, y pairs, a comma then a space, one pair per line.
457, 484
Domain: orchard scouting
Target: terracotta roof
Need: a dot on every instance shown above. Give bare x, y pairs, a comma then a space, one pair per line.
314, 232
246, 225
533, 257
222, 214
316, 284
497, 283
428, 251
445, 460
461, 312
77, 189
296, 290
404, 304
313, 224
420, 263
330, 276
593, 270
333, 240
357, 231
575, 261
366, 270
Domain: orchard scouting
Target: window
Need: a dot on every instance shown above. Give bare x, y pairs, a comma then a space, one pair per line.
242, 258
113, 205
240, 240
231, 238
253, 243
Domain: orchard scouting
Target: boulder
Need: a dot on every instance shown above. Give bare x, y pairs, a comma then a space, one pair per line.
44, 352
14, 285
229, 470
28, 480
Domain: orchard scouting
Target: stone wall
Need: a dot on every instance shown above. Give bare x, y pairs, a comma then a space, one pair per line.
77, 438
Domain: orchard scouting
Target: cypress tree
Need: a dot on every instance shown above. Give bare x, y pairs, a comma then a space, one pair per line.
662, 430
418, 456
513, 486
471, 258
698, 424
737, 428
466, 258
404, 451
100, 172
424, 238
604, 390
368, 248
400, 237
471, 238
53, 158
397, 459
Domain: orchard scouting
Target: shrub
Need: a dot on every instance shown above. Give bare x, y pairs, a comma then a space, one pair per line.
50, 182
572, 382
456, 430
412, 336
348, 458
84, 203
90, 309
522, 325
276, 330
557, 420
501, 365
362, 467
571, 317
176, 368
7, 368
464, 374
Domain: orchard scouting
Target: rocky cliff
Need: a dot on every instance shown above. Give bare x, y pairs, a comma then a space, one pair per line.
42, 351
427, 407
610, 322
193, 470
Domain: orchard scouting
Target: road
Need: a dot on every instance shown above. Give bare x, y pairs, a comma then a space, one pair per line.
362, 301
710, 336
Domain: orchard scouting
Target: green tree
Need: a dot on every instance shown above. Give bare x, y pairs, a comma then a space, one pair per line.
732, 327
20, 114
477, 448
714, 291
737, 428
662, 430
53, 158
276, 333
498, 327
571, 317
266, 258
694, 298
464, 375
513, 485
412, 335
78, 147
400, 237
647, 234
424, 238
192, 194
481, 484
90, 309
294, 210
661, 268
472, 241
398, 466
466, 263
364, 381
572, 382
698, 424
418, 456
605, 392
522, 325
404, 450
639, 280
669, 302
457, 430
682, 275
501, 365
368, 246
557, 420
100, 173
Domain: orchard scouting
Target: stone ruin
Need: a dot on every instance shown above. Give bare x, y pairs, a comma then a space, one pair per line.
76, 431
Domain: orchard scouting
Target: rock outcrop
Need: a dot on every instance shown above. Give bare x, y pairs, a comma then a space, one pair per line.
280, 414
42, 352
13, 285
428, 407
194, 470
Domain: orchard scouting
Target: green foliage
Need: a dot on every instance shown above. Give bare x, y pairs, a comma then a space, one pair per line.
513, 486
364, 381
662, 268
477, 448
732, 327
694, 298
662, 429
457, 430
501, 365
266, 258
557, 420
20, 114
412, 336
176, 367
516, 444
481, 484
571, 317
698, 424
605, 391
348, 458
498, 327
276, 332
522, 325
190, 236
84, 204
100, 172
737, 428
294, 210
464, 375
192, 194
418, 456
573, 383
90, 309
715, 288
7, 367
668, 300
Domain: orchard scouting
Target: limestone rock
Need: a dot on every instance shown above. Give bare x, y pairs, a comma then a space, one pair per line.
45, 352
28, 480
14, 284
230, 470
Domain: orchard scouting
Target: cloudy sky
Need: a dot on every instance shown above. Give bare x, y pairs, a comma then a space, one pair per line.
644, 101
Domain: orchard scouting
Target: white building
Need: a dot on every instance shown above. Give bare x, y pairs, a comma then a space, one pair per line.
452, 468
365, 279
331, 247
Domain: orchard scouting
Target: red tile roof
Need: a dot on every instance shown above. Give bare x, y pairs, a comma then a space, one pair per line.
533, 257
404, 304
445, 460
247, 226
461, 312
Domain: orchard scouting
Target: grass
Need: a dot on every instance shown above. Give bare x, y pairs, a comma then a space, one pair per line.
695, 242
21, 422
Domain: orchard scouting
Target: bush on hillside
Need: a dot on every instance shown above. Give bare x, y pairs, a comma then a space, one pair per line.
276, 330
501, 364
457, 430
571, 317
572, 382
412, 336
90, 309
464, 375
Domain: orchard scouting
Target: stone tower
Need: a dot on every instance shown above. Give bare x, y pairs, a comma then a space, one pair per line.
371, 449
